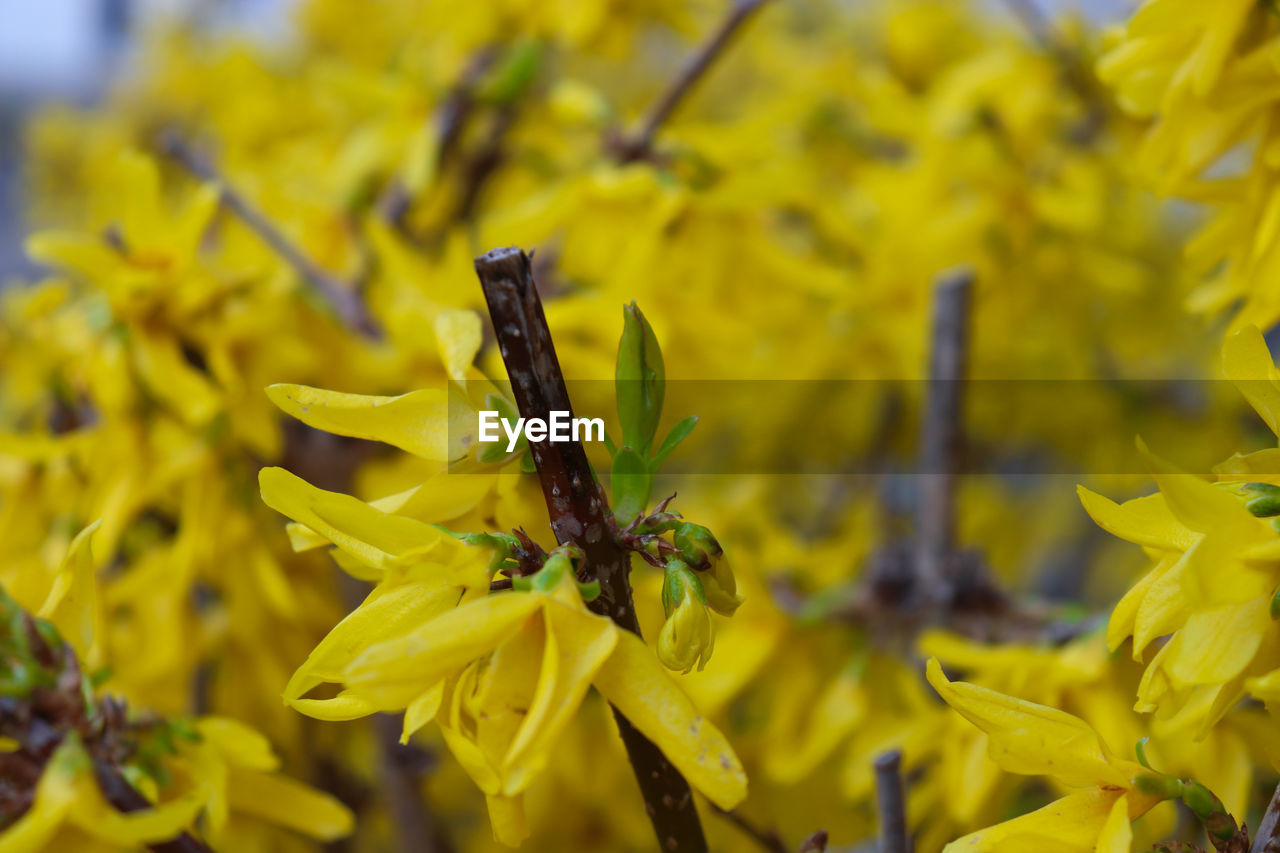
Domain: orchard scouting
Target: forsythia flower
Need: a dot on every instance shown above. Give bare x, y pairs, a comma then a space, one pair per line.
504, 674
1037, 740
687, 636
1215, 571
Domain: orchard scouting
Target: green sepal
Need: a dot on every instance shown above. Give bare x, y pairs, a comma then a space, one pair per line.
589, 591
503, 545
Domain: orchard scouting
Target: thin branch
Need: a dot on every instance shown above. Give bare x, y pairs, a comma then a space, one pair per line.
401, 767
942, 435
638, 146
343, 299
891, 802
1269, 827
768, 839
448, 121
579, 514
125, 798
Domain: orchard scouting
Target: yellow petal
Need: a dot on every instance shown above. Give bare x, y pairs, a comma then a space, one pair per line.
240, 745
289, 803
375, 538
1117, 834
577, 645
1144, 521
420, 422
387, 612
506, 816
72, 603
1072, 824
161, 822
392, 673
458, 336
1246, 361
642, 691
171, 378
1029, 738
1215, 646
345, 706
421, 710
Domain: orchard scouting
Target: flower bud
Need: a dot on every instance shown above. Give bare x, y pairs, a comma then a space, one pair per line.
687, 637
701, 549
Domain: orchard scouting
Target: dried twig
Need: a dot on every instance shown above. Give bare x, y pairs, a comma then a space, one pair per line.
579, 514
637, 146
942, 436
343, 299
1269, 827
891, 802
768, 839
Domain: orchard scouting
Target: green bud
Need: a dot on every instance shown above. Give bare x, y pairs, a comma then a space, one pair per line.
1200, 800
1263, 499
697, 545
640, 379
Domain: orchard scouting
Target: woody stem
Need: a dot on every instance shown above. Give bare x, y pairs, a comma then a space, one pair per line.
579, 514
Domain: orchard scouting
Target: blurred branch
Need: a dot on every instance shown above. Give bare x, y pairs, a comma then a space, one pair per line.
942, 435
343, 299
1268, 827
449, 120
891, 803
768, 839
637, 146
579, 514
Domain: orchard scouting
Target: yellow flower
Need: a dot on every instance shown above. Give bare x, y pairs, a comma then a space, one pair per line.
69, 807
504, 674
687, 636
1038, 740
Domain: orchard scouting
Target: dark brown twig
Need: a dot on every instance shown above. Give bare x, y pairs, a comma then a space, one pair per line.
343, 299
891, 803
768, 839
816, 843
942, 436
1269, 826
637, 146
579, 514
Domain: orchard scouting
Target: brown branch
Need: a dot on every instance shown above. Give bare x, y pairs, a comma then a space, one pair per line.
579, 514
942, 436
768, 839
344, 300
449, 120
637, 147
125, 798
891, 803
1269, 827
